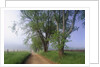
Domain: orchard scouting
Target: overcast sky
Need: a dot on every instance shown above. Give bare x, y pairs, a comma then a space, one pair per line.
13, 41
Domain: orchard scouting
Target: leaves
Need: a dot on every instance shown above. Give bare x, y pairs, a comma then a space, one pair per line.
41, 26
57, 40
36, 44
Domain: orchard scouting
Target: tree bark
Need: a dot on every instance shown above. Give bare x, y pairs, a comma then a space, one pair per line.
61, 52
46, 46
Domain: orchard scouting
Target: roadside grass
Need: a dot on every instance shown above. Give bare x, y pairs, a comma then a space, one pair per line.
69, 57
15, 57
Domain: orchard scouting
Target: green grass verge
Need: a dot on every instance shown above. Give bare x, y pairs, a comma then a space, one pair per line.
15, 57
69, 57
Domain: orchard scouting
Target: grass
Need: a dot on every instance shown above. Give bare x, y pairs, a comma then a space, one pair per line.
69, 57
15, 57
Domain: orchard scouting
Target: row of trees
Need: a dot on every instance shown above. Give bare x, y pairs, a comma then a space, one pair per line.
43, 27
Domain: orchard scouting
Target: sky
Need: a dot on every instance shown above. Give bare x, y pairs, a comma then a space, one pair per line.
11, 40
15, 42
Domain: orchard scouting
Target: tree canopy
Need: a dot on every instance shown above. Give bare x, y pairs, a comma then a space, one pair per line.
50, 26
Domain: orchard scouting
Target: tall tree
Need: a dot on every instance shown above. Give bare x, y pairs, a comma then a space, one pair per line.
65, 23
39, 22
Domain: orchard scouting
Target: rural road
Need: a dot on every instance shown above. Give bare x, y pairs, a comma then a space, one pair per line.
37, 59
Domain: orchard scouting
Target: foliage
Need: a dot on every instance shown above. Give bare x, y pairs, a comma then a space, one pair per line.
37, 44
37, 23
65, 23
68, 58
57, 40
49, 25
15, 57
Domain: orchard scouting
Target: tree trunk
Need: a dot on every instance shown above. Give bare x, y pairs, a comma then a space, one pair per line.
46, 46
45, 43
61, 51
63, 30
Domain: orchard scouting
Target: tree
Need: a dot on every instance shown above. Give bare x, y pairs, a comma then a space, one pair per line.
36, 43
40, 22
65, 23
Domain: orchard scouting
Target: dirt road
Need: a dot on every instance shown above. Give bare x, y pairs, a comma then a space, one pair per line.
38, 59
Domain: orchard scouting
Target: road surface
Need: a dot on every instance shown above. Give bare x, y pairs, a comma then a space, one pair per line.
37, 59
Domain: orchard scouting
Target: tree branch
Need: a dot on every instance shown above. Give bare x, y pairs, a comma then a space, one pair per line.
66, 19
73, 22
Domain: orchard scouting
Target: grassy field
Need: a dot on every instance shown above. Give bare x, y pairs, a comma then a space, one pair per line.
15, 57
69, 57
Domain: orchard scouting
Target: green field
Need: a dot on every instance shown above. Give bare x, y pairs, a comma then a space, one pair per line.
70, 57
15, 57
